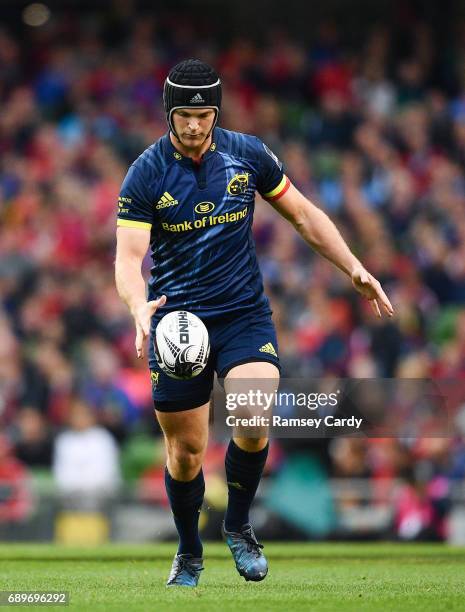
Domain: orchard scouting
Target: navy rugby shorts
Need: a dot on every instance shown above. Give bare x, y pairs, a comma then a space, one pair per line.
234, 340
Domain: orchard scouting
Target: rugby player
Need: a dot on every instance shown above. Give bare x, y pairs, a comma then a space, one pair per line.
189, 197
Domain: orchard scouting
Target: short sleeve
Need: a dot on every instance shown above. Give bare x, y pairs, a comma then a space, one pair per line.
272, 183
135, 207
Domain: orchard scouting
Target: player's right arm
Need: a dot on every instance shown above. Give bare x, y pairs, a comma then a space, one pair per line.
131, 246
135, 217
315, 227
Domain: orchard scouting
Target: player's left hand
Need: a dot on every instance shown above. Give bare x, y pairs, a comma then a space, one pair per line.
142, 318
369, 287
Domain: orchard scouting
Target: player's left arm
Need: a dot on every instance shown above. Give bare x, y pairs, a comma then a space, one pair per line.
317, 229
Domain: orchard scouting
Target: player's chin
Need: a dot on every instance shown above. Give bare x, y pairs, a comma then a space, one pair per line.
192, 140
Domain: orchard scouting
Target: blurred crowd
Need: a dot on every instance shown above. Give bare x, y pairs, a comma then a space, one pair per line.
372, 131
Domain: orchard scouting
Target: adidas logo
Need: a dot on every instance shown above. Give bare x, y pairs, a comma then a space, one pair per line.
197, 99
236, 485
268, 348
166, 200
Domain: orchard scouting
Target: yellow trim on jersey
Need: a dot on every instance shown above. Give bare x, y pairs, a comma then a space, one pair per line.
277, 189
136, 224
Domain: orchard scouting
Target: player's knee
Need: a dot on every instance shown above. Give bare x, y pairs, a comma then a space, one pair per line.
184, 459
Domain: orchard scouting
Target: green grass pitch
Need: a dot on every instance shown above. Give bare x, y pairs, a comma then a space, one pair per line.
315, 577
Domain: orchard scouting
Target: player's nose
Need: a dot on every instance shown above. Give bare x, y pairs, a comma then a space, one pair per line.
193, 125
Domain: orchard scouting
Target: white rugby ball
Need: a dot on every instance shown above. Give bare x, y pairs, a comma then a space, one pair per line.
182, 345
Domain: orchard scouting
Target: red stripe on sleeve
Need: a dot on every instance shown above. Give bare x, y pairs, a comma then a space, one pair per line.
282, 192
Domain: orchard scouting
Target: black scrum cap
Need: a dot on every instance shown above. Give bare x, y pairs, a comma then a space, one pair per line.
191, 84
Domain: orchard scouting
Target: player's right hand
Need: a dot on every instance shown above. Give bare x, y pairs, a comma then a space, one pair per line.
367, 285
142, 316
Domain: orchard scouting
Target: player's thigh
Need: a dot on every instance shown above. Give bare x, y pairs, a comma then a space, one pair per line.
254, 370
254, 378
182, 408
187, 430
258, 382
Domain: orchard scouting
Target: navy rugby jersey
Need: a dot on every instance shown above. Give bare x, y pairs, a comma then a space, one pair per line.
200, 219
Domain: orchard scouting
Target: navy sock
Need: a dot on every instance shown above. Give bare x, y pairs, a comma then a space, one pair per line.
186, 499
243, 473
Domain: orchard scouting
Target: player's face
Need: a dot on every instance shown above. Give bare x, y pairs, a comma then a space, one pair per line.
193, 125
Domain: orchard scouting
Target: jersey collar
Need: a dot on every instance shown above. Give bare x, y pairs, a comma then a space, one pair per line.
173, 154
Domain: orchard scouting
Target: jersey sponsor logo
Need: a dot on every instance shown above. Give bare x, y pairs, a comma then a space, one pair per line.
166, 200
238, 184
273, 156
121, 204
268, 348
187, 226
204, 207
197, 99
